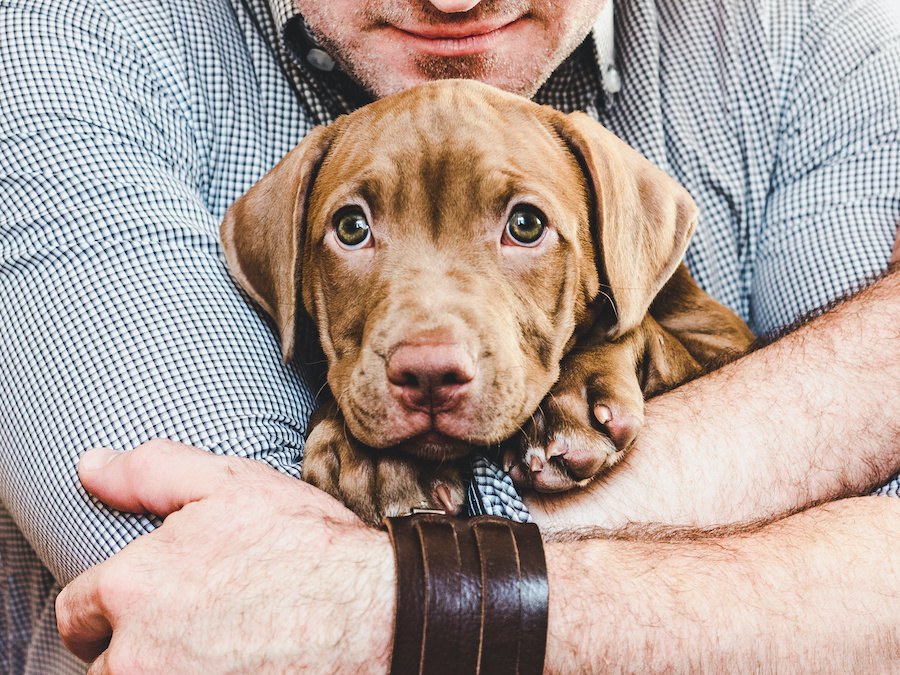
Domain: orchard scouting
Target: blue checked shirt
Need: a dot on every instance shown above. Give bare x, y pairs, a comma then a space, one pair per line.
128, 126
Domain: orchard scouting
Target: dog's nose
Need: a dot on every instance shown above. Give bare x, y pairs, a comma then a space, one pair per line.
430, 377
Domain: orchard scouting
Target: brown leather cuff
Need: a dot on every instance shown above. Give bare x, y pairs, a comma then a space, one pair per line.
471, 595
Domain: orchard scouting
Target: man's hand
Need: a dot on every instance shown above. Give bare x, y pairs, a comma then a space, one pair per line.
251, 571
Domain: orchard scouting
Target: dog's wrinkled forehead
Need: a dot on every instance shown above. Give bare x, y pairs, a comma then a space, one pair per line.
448, 148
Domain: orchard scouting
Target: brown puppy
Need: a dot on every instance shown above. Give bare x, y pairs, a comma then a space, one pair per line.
454, 244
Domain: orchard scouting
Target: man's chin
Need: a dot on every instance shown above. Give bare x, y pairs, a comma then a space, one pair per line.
393, 71
481, 72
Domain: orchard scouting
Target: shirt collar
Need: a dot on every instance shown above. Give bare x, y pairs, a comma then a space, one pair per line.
282, 12
604, 35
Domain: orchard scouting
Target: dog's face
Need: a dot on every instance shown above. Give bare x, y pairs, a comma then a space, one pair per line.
444, 269
448, 241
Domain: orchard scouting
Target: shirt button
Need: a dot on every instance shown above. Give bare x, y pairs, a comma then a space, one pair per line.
319, 59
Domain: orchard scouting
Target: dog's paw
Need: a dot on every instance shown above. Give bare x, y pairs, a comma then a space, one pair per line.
377, 483
562, 448
585, 425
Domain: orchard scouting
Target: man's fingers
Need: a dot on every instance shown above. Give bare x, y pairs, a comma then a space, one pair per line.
161, 477
158, 477
82, 624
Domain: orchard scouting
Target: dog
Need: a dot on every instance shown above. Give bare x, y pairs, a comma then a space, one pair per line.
481, 270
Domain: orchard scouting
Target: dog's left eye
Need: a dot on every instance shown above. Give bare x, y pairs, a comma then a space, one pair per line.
525, 226
352, 228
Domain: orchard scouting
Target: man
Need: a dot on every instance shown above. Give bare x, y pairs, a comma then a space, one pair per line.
128, 129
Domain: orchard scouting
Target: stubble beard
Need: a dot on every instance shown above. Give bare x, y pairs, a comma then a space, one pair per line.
381, 80
524, 77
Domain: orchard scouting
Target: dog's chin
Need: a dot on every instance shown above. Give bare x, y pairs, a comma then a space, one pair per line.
436, 447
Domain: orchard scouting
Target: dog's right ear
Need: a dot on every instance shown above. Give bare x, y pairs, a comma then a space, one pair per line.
262, 233
643, 219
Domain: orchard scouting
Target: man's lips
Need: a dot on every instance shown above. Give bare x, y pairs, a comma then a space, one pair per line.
456, 30
455, 39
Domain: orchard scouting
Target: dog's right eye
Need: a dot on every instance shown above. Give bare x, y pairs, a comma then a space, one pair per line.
351, 227
525, 226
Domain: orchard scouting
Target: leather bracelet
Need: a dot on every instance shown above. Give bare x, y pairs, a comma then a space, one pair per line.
472, 596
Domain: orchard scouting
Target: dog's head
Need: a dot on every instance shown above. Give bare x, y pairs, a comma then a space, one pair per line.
449, 241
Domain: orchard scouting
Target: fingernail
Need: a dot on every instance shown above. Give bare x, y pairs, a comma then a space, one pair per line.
536, 464
96, 459
509, 458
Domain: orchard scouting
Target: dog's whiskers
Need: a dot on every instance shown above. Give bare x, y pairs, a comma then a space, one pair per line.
611, 303
321, 389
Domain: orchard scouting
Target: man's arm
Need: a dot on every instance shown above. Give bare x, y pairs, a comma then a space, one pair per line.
812, 417
815, 593
119, 320
812, 593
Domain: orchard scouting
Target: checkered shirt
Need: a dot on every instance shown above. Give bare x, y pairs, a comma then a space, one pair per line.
128, 126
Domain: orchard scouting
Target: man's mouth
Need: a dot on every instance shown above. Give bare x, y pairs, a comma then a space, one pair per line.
456, 39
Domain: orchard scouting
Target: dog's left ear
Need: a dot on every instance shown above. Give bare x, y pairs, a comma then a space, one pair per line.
262, 233
643, 219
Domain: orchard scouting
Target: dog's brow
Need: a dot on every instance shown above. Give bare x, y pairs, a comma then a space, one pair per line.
371, 189
505, 186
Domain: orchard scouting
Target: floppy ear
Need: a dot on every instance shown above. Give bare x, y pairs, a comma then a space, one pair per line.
262, 233
643, 219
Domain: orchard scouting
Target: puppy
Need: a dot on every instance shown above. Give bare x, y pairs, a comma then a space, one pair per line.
481, 270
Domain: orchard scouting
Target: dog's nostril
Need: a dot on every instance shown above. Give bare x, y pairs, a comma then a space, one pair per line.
426, 380
405, 378
454, 377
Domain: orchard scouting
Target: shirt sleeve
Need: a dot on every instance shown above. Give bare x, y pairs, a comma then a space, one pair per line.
119, 322
834, 201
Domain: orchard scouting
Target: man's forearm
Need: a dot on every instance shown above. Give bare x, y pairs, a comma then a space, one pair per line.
815, 592
811, 593
809, 418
